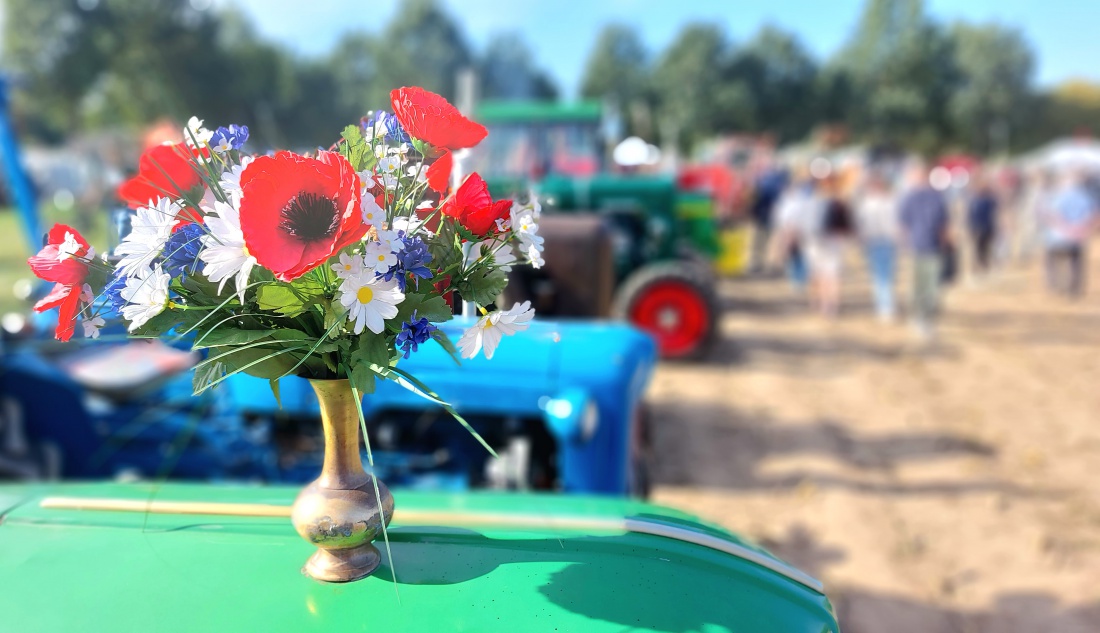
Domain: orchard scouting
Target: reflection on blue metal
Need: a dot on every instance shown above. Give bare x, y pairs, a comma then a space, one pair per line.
19, 185
571, 416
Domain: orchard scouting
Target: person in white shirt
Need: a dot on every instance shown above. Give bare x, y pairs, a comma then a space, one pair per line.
877, 223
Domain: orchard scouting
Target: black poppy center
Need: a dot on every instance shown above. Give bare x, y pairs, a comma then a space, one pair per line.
310, 217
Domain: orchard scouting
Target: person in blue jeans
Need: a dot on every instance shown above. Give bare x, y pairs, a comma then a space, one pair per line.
877, 222
1068, 222
924, 225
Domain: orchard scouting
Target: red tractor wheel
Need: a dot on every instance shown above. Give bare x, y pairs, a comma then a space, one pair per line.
675, 304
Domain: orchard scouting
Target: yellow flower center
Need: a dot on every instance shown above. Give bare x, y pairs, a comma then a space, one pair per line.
347, 266
381, 258
364, 295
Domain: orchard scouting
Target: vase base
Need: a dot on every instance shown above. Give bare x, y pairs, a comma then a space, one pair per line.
343, 565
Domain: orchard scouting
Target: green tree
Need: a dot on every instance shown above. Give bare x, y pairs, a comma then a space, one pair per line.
423, 46
689, 87
617, 71
507, 70
780, 75
993, 96
899, 68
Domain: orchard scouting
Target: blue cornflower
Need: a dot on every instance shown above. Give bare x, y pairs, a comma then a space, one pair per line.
414, 332
227, 138
181, 251
113, 292
385, 125
412, 259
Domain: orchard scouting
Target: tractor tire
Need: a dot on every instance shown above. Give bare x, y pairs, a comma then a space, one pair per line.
675, 303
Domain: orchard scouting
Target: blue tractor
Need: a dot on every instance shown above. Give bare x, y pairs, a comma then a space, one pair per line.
574, 421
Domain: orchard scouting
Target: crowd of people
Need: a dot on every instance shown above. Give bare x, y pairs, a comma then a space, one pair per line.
809, 222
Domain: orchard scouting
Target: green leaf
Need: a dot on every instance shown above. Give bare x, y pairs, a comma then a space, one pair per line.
253, 367
205, 375
356, 148
362, 377
201, 286
372, 349
289, 334
448, 346
483, 285
274, 384
444, 246
281, 299
224, 335
266, 363
307, 287
163, 323
433, 306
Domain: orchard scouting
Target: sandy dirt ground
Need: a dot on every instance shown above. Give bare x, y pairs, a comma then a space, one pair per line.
954, 489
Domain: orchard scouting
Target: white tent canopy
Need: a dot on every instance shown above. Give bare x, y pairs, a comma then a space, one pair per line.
1066, 154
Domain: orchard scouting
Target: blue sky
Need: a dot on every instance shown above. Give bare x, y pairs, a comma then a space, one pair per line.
1064, 33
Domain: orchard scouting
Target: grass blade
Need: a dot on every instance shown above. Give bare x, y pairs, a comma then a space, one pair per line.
374, 480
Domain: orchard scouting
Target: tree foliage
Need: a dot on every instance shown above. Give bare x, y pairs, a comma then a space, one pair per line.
901, 78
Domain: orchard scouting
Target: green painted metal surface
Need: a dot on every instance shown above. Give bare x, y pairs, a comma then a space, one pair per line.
494, 112
70, 570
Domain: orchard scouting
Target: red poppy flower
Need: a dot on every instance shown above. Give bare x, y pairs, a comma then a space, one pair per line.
50, 265
474, 208
297, 211
164, 170
58, 262
67, 299
430, 118
439, 172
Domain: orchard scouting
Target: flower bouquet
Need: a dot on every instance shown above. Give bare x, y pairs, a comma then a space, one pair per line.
332, 266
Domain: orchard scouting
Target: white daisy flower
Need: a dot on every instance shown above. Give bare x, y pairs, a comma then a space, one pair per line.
370, 301
380, 150
378, 257
196, 132
223, 251
150, 229
391, 240
389, 164
534, 255
91, 326
503, 259
349, 265
230, 181
146, 294
491, 328
401, 150
388, 180
373, 214
523, 221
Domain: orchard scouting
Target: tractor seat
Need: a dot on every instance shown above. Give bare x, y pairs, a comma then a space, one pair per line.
123, 372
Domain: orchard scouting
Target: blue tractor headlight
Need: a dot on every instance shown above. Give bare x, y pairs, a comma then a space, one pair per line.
572, 416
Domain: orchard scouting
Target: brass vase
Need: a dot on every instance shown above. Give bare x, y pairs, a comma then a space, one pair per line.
339, 512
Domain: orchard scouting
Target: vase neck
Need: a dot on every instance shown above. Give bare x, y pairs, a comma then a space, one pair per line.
343, 467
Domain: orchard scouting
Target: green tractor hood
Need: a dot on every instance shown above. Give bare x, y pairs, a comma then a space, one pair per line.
142, 557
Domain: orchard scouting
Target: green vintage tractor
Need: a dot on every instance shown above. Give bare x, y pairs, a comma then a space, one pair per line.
659, 238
